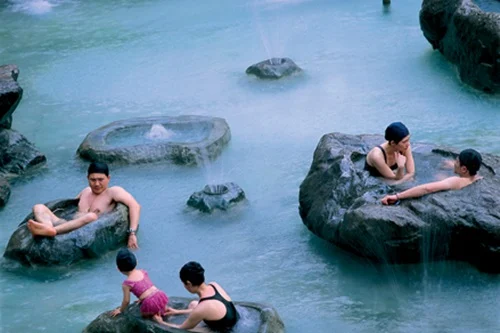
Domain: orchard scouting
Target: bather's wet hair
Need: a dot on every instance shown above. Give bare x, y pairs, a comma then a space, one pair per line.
125, 260
98, 167
396, 132
471, 159
192, 272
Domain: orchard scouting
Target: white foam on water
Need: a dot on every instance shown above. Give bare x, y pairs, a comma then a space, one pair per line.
34, 7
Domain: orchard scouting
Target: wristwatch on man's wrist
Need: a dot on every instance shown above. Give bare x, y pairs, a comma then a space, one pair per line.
132, 231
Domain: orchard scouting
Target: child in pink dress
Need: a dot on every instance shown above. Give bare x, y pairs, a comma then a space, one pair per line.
153, 300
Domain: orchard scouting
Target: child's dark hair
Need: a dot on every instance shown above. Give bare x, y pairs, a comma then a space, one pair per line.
125, 260
470, 159
192, 272
98, 167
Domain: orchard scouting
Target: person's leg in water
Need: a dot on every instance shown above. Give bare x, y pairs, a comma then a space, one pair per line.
48, 224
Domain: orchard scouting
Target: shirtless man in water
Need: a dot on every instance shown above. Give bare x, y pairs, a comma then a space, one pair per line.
95, 200
466, 166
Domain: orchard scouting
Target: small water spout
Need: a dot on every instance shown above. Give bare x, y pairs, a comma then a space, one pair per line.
215, 189
158, 132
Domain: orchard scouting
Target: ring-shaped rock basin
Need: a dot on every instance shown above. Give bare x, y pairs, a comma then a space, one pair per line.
107, 233
254, 318
186, 140
274, 68
216, 196
340, 202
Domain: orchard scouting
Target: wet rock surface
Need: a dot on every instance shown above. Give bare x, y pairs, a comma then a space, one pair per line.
254, 318
340, 203
219, 196
467, 36
200, 139
274, 68
10, 94
4, 192
107, 233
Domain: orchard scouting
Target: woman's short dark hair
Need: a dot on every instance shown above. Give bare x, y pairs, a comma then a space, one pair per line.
192, 272
396, 132
98, 167
125, 260
470, 159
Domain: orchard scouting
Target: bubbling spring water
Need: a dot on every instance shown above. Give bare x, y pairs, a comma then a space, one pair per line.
158, 132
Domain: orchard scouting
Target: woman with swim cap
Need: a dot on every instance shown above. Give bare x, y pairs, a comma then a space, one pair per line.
392, 158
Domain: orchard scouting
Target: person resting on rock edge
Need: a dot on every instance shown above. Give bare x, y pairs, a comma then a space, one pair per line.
466, 166
153, 301
214, 307
94, 200
391, 159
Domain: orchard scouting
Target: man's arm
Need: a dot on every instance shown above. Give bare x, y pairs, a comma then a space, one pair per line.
450, 183
134, 210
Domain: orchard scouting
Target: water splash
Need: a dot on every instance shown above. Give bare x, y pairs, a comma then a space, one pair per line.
158, 132
34, 7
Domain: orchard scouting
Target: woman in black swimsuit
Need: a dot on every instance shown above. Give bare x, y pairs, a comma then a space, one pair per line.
392, 158
214, 307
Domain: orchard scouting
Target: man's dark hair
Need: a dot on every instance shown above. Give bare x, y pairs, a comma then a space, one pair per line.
192, 272
98, 167
470, 159
396, 132
125, 260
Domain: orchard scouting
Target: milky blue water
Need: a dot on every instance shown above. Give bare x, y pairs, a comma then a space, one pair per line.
86, 63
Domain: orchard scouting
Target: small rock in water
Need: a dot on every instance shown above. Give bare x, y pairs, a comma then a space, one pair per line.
219, 196
274, 68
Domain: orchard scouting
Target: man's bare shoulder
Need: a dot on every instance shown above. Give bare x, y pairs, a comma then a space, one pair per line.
85, 191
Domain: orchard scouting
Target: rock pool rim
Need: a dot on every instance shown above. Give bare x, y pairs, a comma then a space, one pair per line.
215, 189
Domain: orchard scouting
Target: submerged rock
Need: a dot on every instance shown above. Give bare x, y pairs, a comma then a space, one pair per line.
254, 318
219, 196
189, 140
466, 36
4, 192
340, 203
107, 233
10, 94
274, 68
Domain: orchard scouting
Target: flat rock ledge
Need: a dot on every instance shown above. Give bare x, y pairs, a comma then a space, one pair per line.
340, 202
274, 68
200, 139
90, 241
254, 318
220, 196
466, 36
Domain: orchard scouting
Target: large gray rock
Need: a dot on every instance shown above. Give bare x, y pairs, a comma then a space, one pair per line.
340, 203
188, 140
466, 36
274, 68
219, 196
107, 233
17, 154
4, 191
10, 94
254, 318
